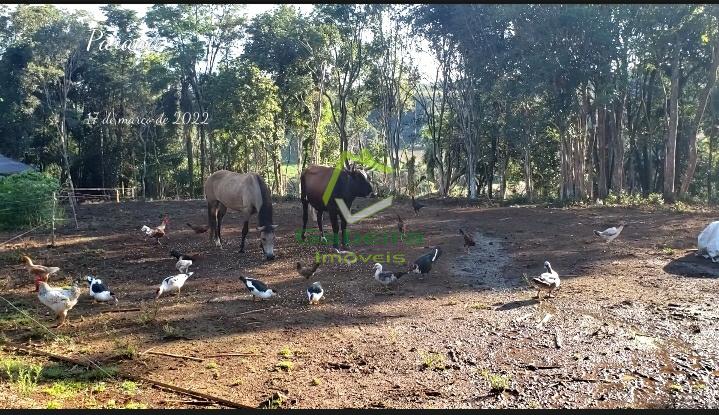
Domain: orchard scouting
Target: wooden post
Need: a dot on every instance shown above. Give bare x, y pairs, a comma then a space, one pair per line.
117, 195
54, 204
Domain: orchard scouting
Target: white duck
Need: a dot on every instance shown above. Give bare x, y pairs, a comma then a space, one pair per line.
548, 281
386, 277
59, 300
258, 288
610, 234
99, 291
172, 283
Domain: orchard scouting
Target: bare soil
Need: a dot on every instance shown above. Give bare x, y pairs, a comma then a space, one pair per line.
634, 323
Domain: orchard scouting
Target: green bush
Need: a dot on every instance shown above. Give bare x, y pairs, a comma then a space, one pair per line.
26, 199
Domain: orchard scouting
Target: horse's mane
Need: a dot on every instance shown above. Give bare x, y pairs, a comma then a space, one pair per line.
264, 215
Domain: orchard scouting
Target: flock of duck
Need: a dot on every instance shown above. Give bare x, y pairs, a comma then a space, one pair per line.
62, 299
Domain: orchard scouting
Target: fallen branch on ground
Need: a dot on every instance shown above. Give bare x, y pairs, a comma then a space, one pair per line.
122, 310
233, 354
197, 359
135, 378
255, 311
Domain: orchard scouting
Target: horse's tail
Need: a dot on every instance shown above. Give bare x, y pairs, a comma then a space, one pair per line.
303, 198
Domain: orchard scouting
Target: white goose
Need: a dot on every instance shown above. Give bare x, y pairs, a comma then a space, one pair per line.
548, 281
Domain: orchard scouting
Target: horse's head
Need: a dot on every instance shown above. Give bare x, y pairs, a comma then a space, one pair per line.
360, 185
267, 240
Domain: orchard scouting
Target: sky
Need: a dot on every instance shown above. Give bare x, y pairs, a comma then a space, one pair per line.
424, 60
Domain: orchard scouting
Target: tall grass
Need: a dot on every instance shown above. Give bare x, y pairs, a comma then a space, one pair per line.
26, 199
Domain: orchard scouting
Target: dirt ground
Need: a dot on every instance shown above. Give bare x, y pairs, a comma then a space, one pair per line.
634, 323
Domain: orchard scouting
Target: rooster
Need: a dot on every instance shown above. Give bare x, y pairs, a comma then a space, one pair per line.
59, 300
158, 232
39, 272
198, 229
468, 240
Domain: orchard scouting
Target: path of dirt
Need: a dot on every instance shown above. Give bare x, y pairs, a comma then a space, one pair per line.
632, 325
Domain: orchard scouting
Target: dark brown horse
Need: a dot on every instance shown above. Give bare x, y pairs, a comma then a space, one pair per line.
246, 193
350, 184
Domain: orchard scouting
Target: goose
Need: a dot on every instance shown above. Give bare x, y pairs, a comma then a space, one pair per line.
548, 281
172, 283
612, 233
257, 288
315, 292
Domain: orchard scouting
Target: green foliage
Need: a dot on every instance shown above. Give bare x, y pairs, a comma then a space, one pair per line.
26, 199
23, 376
497, 383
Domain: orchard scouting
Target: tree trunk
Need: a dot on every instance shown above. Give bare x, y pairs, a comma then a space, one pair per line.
701, 107
670, 143
602, 151
185, 105
618, 146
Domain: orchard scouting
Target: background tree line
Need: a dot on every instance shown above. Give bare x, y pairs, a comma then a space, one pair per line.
568, 102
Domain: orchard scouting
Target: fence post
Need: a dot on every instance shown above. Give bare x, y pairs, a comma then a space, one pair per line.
54, 204
117, 195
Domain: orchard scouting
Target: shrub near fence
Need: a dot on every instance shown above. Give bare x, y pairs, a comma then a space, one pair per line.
26, 199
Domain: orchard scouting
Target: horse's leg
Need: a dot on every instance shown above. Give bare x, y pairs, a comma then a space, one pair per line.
211, 217
321, 213
220, 214
245, 229
305, 206
335, 228
343, 225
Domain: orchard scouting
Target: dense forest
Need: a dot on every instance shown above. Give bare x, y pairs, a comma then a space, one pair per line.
564, 102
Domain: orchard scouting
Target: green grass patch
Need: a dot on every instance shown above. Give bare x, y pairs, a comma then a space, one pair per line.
497, 383
285, 365
65, 389
129, 387
432, 361
22, 376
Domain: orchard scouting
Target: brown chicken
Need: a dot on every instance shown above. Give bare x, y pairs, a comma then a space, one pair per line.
198, 229
308, 271
38, 272
401, 227
468, 240
158, 232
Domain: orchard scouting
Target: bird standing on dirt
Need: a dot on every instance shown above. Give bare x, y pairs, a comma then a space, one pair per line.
401, 227
257, 288
416, 206
386, 277
183, 261
39, 272
307, 272
172, 283
315, 292
198, 229
158, 232
610, 234
423, 264
99, 291
59, 300
548, 281
468, 240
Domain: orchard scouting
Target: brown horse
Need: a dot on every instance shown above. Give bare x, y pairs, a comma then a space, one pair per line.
350, 184
246, 193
